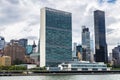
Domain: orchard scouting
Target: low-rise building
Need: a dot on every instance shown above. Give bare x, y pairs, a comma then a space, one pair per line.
83, 66
29, 60
35, 57
28, 66
5, 61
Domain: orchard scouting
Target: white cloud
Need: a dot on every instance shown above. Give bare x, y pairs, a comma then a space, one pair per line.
82, 13
21, 18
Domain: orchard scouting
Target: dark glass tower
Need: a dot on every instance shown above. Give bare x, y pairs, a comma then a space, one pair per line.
55, 37
23, 42
100, 37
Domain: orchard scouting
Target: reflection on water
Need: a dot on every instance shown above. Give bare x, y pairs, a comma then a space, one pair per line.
64, 77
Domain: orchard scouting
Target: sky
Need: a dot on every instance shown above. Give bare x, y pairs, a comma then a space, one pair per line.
21, 18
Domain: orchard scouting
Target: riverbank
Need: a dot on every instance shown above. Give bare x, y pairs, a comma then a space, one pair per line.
38, 73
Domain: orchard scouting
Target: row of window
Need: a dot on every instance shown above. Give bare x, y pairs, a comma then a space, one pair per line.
88, 65
93, 69
61, 38
58, 20
58, 54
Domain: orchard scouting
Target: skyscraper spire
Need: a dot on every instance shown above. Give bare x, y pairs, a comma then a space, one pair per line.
34, 44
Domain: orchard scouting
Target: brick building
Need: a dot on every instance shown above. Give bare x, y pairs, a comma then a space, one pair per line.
16, 52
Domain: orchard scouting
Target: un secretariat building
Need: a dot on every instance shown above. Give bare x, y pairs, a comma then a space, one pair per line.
55, 37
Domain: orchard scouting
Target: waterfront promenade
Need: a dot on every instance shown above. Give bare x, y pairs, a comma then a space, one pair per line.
37, 73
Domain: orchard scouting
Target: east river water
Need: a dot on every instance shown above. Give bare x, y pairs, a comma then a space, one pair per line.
64, 77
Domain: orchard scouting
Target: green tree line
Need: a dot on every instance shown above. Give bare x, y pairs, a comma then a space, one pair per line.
13, 68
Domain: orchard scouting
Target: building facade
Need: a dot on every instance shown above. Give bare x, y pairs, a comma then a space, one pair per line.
79, 52
5, 61
101, 54
16, 52
83, 66
92, 50
23, 42
2, 42
116, 55
35, 57
85, 43
55, 37
74, 50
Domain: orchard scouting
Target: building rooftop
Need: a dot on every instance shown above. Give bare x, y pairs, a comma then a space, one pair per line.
55, 10
82, 62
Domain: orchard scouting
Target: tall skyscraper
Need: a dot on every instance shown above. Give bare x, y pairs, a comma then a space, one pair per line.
100, 37
55, 37
85, 43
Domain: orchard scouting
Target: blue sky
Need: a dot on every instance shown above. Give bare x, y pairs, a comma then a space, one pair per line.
108, 1
21, 18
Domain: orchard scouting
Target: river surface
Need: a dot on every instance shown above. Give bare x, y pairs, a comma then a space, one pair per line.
64, 77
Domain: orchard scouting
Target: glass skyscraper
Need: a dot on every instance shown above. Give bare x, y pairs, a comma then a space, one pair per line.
100, 37
55, 37
85, 43
2, 42
23, 42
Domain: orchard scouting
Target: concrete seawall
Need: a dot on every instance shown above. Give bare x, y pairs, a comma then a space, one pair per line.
35, 73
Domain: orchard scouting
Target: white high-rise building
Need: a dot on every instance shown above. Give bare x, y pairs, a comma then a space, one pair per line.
55, 37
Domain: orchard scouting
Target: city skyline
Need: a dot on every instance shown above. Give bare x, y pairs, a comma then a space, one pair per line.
20, 18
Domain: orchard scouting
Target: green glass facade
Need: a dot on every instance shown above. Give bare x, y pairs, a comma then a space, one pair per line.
58, 37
